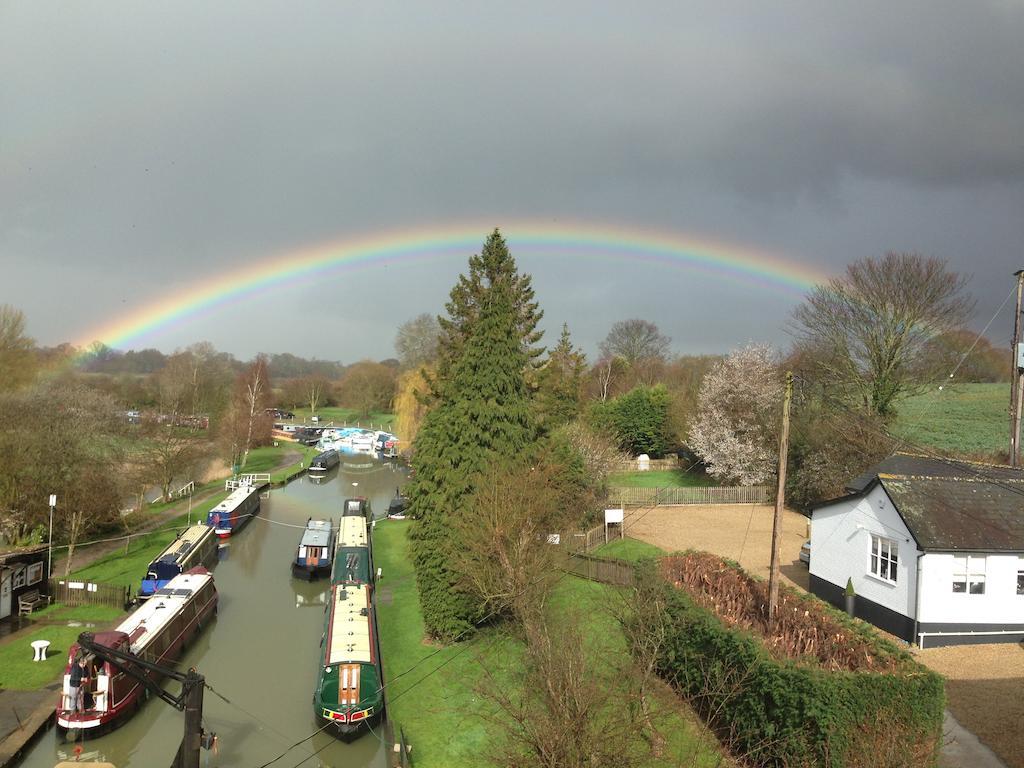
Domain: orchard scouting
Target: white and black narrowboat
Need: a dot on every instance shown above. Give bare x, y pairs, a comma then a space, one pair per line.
231, 515
316, 550
157, 631
196, 545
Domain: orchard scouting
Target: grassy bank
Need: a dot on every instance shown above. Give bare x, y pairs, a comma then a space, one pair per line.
431, 689
967, 419
659, 478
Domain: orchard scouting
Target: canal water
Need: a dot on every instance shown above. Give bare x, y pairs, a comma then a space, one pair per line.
262, 652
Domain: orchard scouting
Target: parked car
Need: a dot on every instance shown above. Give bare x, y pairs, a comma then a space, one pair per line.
805, 553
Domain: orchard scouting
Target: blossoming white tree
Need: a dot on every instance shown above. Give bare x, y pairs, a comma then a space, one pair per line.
736, 426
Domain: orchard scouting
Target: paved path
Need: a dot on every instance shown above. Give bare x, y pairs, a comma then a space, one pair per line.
22, 716
962, 749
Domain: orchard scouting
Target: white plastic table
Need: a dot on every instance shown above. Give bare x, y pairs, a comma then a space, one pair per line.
40, 646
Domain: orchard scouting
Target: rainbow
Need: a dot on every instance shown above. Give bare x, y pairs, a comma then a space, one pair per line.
582, 241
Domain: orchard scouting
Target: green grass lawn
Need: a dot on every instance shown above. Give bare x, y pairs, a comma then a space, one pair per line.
659, 478
128, 567
967, 419
346, 415
628, 549
17, 669
431, 690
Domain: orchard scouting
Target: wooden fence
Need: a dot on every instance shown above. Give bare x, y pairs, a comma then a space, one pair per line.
68, 592
603, 569
628, 496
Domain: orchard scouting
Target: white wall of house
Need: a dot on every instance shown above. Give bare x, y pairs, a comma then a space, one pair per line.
1000, 603
841, 549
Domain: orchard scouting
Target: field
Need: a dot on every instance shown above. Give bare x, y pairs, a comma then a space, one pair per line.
970, 420
340, 416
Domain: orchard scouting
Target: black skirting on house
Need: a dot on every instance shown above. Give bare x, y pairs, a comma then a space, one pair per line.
969, 634
884, 618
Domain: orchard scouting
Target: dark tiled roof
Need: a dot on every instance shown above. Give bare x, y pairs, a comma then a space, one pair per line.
926, 466
953, 505
960, 514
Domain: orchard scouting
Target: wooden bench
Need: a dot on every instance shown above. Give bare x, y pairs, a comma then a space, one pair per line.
29, 601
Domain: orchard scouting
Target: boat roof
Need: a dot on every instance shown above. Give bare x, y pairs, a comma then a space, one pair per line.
185, 543
317, 534
145, 623
353, 532
350, 626
237, 497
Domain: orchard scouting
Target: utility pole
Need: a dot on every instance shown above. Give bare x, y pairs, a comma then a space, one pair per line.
780, 501
192, 692
1016, 377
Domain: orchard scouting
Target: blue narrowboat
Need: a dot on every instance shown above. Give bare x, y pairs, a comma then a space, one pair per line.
196, 545
316, 550
234, 512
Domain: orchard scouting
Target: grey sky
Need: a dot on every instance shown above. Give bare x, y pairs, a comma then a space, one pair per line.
147, 147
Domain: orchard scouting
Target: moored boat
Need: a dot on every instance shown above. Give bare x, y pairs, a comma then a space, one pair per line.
358, 507
231, 515
196, 545
158, 631
316, 550
325, 461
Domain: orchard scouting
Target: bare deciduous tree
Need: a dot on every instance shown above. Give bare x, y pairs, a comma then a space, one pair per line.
868, 331
568, 708
736, 425
635, 340
504, 559
417, 341
17, 362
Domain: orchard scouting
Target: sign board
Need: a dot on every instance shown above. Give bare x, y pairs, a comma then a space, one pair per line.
1020, 357
613, 516
53, 499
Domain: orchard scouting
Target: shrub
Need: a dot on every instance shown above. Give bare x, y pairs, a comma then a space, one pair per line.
785, 699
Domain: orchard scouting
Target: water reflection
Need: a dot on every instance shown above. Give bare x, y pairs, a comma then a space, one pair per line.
261, 653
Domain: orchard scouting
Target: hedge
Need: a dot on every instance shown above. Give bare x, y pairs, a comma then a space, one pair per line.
775, 711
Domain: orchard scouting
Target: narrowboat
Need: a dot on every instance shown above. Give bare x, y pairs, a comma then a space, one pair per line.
359, 506
348, 691
325, 461
158, 631
196, 545
316, 550
234, 512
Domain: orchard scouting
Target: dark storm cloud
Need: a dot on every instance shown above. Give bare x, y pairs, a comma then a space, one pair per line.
150, 147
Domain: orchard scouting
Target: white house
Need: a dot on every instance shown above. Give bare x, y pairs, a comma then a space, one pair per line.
935, 550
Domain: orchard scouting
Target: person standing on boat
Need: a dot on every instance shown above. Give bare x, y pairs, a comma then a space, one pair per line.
79, 675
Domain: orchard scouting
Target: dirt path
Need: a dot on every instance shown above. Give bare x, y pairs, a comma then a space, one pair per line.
89, 555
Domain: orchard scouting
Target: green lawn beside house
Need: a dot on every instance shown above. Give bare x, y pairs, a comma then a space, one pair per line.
432, 690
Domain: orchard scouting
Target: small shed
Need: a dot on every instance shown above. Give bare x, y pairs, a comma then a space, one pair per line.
22, 569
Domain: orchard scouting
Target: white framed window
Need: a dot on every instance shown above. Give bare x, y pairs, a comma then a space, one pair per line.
18, 578
884, 558
969, 574
1020, 575
35, 573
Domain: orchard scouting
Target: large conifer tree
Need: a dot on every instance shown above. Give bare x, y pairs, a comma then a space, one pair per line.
483, 414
